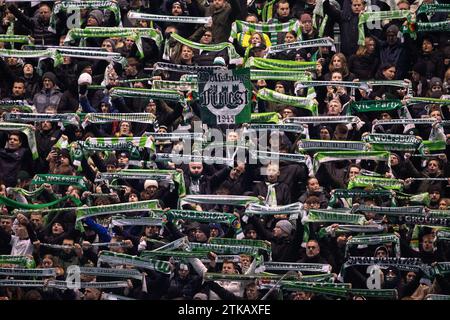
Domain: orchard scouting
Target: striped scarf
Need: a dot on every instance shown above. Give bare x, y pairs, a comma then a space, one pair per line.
120, 258
15, 38
86, 212
309, 145
40, 54
285, 75
26, 129
183, 68
235, 58
115, 143
258, 209
347, 84
171, 19
220, 199
201, 216
295, 127
314, 43
265, 117
136, 221
333, 217
300, 102
323, 120
65, 118
393, 142
17, 260
166, 95
374, 240
240, 26
22, 105
111, 117
276, 64
364, 181
175, 85
98, 32
327, 156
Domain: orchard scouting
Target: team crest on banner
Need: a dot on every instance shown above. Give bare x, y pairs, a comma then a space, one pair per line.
225, 96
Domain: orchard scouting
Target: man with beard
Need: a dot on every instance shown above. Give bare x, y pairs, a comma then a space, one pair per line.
37, 25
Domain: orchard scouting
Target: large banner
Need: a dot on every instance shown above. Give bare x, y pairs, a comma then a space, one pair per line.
225, 96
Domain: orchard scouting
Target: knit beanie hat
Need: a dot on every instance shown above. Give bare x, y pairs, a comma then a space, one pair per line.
285, 226
97, 15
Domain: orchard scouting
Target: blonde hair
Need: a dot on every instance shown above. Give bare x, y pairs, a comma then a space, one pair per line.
362, 50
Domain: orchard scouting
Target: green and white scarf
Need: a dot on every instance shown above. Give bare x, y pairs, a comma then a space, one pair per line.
256, 74
176, 136
186, 158
223, 249
393, 142
175, 85
158, 174
111, 117
93, 54
22, 105
120, 258
364, 181
40, 54
281, 98
308, 145
111, 272
302, 267
184, 68
378, 16
333, 217
171, 19
389, 210
347, 84
374, 240
235, 58
265, 117
327, 156
109, 32
86, 212
115, 143
60, 180
278, 156
240, 26
276, 64
258, 209
437, 297
166, 95
26, 129
403, 264
201, 216
85, 4
136, 221
17, 260
15, 38
22, 272
374, 106
295, 127
174, 254
322, 120
314, 43
259, 244
65, 118
345, 193
220, 199
416, 100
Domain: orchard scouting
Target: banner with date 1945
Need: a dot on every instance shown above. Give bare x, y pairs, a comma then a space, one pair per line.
225, 96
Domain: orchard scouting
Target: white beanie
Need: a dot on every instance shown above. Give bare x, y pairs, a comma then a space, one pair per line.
149, 183
285, 226
85, 78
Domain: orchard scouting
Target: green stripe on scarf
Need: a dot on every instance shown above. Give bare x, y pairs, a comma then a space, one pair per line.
120, 258
309, 144
364, 181
299, 102
233, 55
59, 179
326, 156
86, 212
283, 65
373, 106
334, 217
